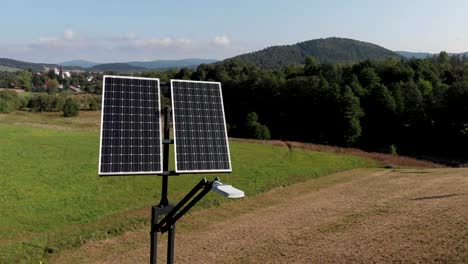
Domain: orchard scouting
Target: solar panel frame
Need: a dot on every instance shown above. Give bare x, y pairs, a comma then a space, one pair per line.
225, 130
130, 173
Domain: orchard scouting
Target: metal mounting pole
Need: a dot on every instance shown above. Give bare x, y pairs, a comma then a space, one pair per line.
154, 237
163, 208
164, 199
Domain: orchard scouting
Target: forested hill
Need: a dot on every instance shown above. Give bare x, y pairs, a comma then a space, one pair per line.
328, 50
22, 65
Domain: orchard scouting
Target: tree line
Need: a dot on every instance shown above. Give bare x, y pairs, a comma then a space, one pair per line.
417, 107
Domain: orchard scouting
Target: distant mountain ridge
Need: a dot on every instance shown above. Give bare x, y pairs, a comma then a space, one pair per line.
166, 64
79, 63
123, 67
326, 50
422, 55
137, 66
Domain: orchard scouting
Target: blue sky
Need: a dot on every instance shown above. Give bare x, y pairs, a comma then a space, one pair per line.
105, 30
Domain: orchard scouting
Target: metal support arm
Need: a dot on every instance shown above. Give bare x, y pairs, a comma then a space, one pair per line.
182, 207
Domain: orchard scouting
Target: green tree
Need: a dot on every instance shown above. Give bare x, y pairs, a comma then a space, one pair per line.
70, 108
52, 86
443, 58
25, 80
368, 77
311, 66
37, 81
184, 74
351, 113
51, 74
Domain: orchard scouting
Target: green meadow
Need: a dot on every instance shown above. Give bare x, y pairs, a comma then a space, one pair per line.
51, 197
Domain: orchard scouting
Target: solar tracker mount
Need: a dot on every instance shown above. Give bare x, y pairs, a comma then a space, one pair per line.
135, 140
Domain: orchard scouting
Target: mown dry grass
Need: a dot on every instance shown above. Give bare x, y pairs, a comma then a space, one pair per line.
359, 216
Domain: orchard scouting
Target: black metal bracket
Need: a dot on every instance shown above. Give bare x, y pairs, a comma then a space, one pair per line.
172, 213
169, 173
195, 195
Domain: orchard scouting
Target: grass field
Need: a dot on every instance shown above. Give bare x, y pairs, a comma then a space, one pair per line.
51, 197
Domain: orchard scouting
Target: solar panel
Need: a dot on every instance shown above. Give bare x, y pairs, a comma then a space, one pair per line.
130, 126
200, 135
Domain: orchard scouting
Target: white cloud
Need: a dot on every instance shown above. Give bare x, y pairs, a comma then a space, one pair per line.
68, 34
183, 42
155, 42
125, 37
68, 39
46, 40
70, 44
221, 40
163, 42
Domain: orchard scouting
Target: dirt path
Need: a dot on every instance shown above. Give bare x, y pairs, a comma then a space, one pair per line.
364, 215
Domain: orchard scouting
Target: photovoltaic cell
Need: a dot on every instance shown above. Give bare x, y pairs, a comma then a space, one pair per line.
130, 126
200, 135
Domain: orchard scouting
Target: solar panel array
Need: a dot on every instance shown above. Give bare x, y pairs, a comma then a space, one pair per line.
200, 135
130, 126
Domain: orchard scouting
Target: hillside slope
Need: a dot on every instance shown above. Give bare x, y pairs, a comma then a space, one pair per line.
328, 50
22, 65
363, 216
51, 163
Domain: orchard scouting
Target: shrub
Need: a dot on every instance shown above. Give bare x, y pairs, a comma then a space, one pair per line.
9, 101
88, 102
41, 103
93, 104
47, 102
71, 108
23, 102
57, 102
392, 149
260, 131
254, 129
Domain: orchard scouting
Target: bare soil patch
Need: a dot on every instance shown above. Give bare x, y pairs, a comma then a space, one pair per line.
363, 216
